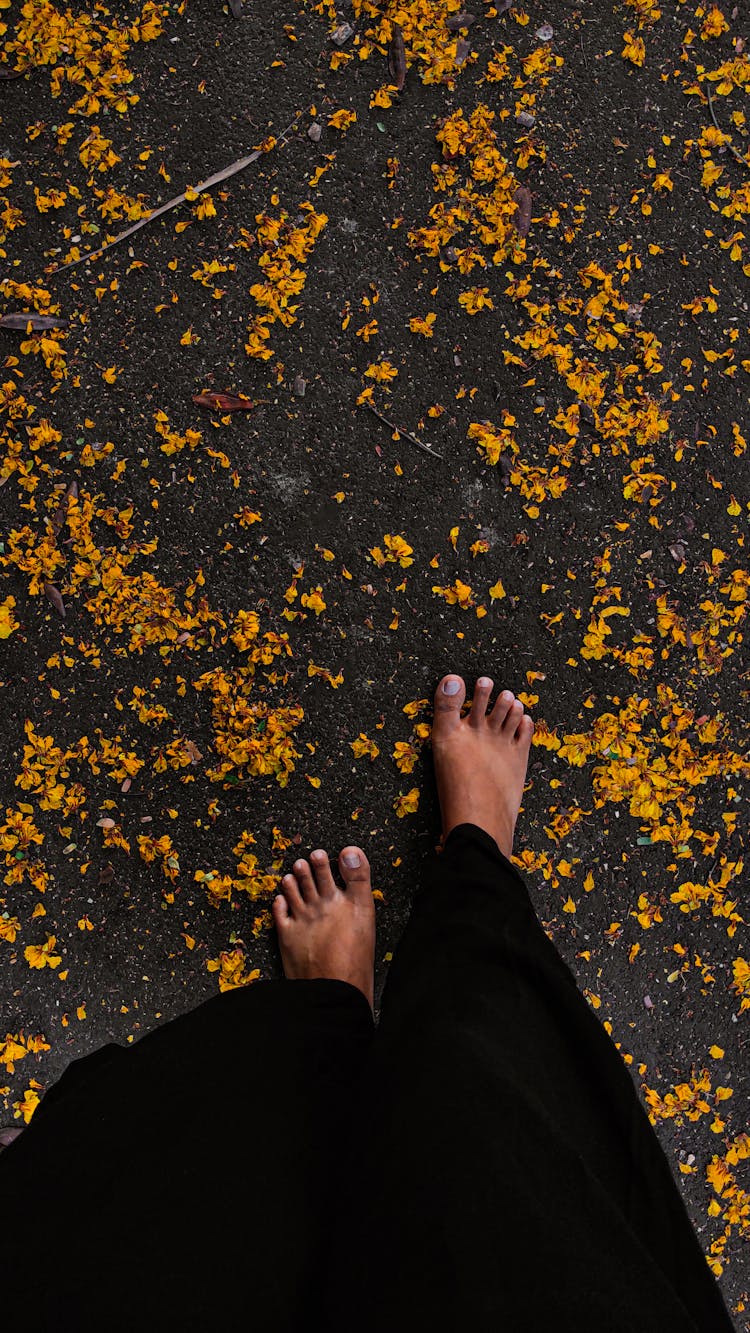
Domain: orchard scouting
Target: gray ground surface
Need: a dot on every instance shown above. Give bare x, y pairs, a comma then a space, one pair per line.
607, 376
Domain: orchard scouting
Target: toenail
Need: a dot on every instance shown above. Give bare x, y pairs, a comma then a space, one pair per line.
351, 859
317, 855
299, 865
485, 682
451, 686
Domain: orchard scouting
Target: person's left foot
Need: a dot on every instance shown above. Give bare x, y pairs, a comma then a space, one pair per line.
325, 931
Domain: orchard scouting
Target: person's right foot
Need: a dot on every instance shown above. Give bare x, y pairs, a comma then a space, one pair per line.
325, 931
481, 759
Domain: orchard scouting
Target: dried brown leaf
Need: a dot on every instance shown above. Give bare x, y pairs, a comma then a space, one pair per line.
51, 592
224, 402
61, 513
462, 20
522, 200
25, 319
397, 57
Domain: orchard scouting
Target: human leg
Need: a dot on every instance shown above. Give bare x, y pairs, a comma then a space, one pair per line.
512, 1179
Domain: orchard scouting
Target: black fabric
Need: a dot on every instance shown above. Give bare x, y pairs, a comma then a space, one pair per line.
479, 1161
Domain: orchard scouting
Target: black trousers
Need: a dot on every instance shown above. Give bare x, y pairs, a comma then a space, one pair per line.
480, 1161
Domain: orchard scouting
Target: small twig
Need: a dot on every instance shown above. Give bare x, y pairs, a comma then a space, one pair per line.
406, 434
219, 176
583, 50
729, 144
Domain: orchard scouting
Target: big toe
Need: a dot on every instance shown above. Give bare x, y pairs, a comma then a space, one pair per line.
355, 872
449, 698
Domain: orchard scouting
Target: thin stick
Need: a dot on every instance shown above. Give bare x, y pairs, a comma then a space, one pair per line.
219, 176
406, 434
729, 145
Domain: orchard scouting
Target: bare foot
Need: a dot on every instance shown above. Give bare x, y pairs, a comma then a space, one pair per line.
480, 760
325, 931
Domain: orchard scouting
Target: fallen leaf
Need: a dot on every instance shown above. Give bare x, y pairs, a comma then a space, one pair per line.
462, 20
51, 592
224, 402
522, 199
25, 319
397, 57
61, 512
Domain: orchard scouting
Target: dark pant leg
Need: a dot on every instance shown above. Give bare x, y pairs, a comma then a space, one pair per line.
185, 1182
512, 1178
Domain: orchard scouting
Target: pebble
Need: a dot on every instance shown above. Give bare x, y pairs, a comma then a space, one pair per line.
342, 34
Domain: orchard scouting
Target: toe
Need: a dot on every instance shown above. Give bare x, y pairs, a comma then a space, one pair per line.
482, 692
280, 911
355, 872
291, 893
502, 708
525, 731
322, 869
449, 698
305, 882
513, 717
